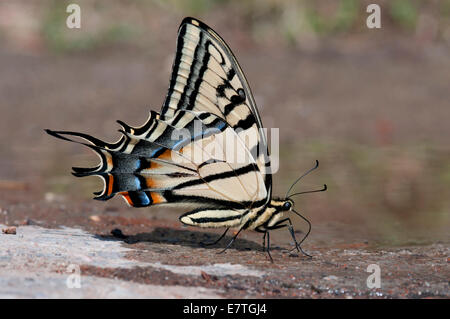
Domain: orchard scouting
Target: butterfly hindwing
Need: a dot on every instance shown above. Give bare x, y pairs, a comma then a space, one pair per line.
150, 168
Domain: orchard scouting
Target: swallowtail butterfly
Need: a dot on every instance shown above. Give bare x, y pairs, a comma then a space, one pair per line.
181, 156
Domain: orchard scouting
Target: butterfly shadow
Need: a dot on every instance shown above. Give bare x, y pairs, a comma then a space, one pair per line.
187, 238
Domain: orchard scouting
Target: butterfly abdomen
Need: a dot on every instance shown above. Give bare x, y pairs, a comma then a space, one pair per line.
214, 217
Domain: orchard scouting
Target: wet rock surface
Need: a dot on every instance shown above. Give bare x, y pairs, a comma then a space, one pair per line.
158, 258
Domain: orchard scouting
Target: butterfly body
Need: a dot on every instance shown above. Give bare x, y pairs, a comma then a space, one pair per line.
272, 214
206, 148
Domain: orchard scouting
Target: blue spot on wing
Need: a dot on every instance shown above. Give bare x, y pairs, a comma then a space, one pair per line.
138, 183
143, 198
140, 199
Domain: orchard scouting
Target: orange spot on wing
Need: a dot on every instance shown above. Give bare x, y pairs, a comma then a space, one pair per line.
150, 182
109, 161
167, 155
110, 184
157, 198
155, 165
127, 198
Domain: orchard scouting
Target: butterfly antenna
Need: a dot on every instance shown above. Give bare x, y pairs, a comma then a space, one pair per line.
298, 179
313, 191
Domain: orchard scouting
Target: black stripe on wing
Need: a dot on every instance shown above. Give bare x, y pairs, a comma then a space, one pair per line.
219, 176
171, 196
207, 77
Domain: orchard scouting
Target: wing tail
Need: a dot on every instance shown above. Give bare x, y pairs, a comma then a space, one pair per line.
140, 177
147, 158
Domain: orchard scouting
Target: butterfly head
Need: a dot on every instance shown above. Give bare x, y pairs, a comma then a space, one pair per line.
287, 205
282, 205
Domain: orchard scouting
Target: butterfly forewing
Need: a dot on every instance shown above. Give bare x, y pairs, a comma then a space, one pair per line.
207, 77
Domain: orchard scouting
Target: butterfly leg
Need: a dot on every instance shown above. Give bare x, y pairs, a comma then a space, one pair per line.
216, 241
264, 241
262, 230
266, 235
280, 224
297, 245
268, 245
231, 241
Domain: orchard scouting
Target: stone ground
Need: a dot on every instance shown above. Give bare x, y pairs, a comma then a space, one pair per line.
158, 258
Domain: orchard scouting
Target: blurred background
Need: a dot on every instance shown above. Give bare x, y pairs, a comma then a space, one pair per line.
372, 105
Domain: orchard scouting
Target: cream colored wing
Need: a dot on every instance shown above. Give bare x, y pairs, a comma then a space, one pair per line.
206, 77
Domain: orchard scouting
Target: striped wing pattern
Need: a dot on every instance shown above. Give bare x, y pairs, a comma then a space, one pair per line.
180, 156
207, 77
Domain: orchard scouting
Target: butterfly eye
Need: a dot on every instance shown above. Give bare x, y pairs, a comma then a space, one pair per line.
287, 206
